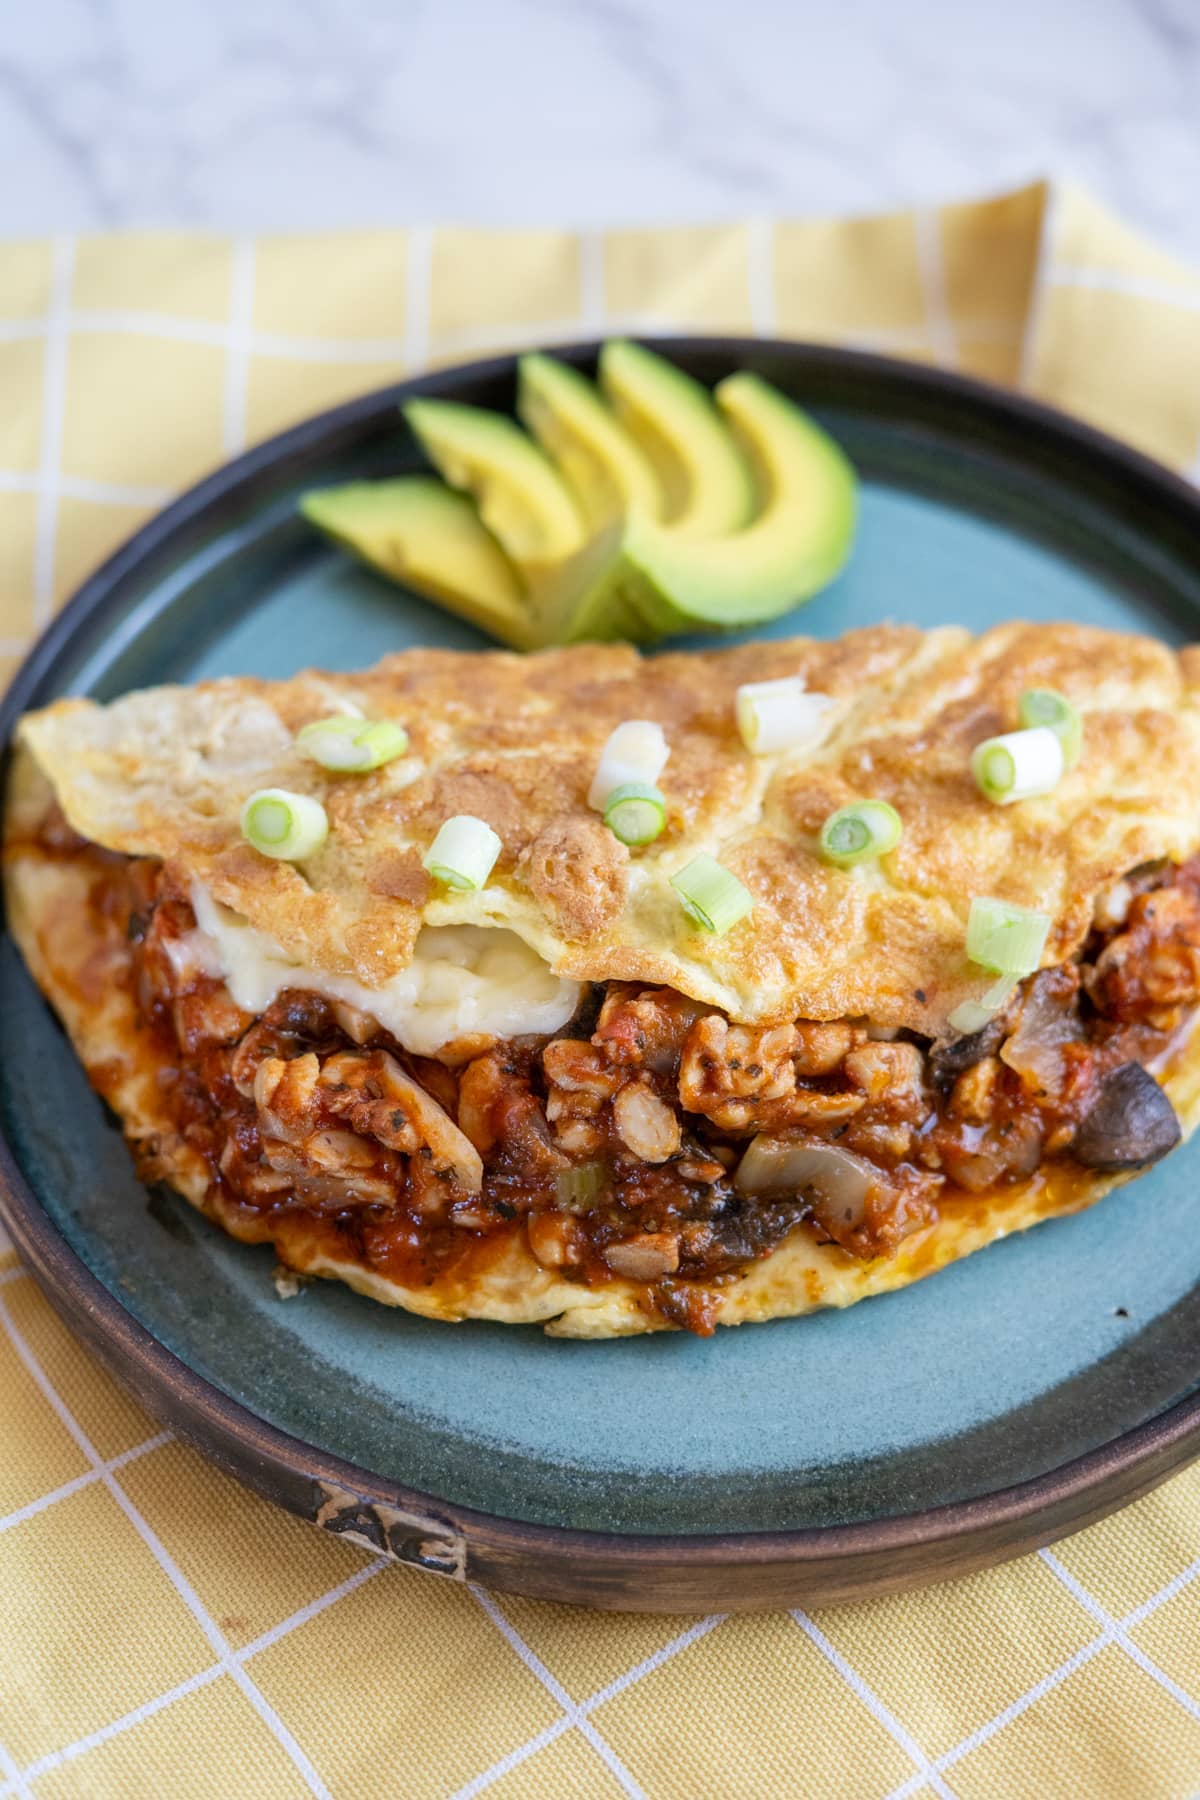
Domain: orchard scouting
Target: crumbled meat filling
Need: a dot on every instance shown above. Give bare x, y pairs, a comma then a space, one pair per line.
615, 1147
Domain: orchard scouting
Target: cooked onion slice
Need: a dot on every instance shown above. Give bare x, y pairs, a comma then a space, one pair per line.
710, 896
1047, 1020
780, 715
463, 854
635, 752
1018, 766
284, 825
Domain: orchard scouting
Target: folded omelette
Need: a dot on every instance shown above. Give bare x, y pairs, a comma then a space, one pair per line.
556, 1098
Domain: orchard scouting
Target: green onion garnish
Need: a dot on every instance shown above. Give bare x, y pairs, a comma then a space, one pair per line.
973, 1015
351, 745
463, 854
780, 715
1006, 939
635, 813
1019, 765
855, 833
285, 825
711, 897
577, 1189
1000, 992
1043, 706
969, 1018
635, 751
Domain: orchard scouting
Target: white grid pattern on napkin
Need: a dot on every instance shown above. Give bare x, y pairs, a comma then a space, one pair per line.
927, 1771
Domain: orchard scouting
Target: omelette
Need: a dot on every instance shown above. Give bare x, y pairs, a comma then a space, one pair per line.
557, 1091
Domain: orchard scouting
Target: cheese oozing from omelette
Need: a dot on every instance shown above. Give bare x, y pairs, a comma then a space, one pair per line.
463, 980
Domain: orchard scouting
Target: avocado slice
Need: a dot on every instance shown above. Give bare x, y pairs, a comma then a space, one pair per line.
521, 497
638, 577
709, 483
606, 469
417, 531
795, 546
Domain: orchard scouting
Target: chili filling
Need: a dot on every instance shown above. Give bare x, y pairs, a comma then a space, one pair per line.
621, 1146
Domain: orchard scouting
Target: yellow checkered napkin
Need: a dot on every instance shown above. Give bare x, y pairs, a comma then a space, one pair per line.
163, 1633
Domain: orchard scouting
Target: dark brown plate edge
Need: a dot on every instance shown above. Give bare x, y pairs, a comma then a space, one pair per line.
659, 1573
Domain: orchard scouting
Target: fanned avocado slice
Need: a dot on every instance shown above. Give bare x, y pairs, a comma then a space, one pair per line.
420, 532
606, 469
638, 577
708, 481
589, 597
794, 547
521, 497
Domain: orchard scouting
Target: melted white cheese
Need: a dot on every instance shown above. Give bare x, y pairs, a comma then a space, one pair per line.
462, 980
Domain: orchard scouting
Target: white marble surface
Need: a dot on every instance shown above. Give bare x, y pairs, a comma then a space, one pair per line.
262, 113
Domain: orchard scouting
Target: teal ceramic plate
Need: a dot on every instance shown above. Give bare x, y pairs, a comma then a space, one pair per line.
995, 1406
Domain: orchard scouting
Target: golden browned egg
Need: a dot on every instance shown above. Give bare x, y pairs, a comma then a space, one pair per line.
514, 740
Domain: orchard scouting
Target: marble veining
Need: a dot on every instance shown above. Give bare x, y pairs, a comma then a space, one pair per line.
255, 114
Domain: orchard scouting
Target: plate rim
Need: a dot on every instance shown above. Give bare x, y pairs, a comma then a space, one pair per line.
653, 1572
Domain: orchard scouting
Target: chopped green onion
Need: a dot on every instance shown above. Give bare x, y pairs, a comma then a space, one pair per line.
1043, 706
780, 715
352, 745
973, 1015
1000, 992
577, 1189
636, 751
852, 834
1019, 765
463, 854
285, 825
636, 813
969, 1018
1006, 939
711, 897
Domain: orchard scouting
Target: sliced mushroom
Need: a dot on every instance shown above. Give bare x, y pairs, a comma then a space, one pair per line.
1131, 1125
582, 1021
836, 1182
947, 1061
